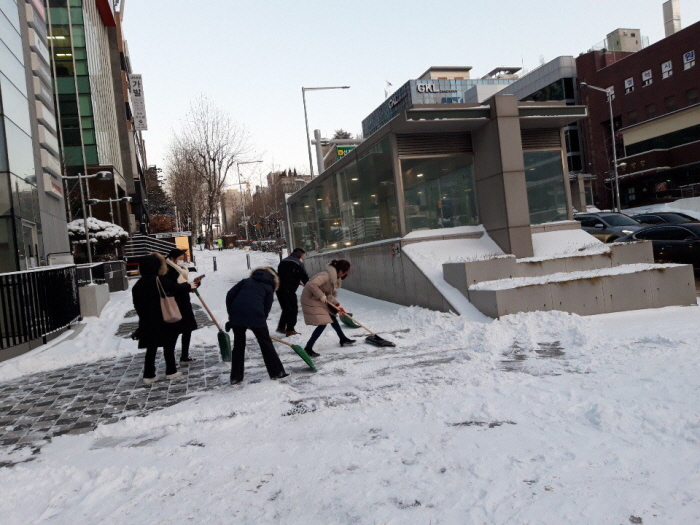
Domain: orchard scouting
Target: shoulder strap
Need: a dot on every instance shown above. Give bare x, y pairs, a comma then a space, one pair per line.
161, 291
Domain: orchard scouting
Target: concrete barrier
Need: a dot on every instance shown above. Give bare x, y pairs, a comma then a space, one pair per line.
93, 299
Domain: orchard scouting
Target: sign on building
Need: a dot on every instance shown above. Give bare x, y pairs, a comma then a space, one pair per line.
138, 103
688, 59
172, 234
342, 151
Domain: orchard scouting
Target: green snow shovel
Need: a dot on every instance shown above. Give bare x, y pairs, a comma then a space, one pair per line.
223, 337
299, 350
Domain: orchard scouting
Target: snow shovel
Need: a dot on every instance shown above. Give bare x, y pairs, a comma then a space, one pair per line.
223, 337
299, 350
373, 338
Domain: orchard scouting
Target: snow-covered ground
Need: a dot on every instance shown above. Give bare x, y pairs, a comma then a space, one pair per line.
539, 418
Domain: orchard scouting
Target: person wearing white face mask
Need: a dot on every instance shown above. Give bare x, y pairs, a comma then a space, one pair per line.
178, 273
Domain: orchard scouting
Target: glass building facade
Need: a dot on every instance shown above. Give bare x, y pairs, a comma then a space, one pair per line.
358, 203
546, 193
84, 91
20, 224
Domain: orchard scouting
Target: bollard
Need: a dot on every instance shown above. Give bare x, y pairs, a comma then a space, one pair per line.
280, 254
214, 263
247, 258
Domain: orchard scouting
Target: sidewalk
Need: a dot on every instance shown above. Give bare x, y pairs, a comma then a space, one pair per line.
75, 399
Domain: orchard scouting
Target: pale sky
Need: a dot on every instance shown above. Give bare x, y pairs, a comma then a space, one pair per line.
253, 57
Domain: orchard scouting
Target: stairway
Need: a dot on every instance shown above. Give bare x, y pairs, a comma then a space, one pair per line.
619, 279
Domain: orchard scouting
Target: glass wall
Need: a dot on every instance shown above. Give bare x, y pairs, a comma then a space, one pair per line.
439, 192
20, 226
546, 195
355, 205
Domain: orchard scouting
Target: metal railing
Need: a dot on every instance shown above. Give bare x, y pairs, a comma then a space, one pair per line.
37, 303
112, 273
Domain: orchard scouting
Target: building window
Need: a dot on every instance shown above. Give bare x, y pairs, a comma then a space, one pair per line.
670, 103
632, 117
439, 192
646, 78
689, 59
629, 85
692, 95
650, 110
667, 69
544, 177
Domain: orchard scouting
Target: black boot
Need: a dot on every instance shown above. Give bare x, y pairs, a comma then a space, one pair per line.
347, 341
311, 353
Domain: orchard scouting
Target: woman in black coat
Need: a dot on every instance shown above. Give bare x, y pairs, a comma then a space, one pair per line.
248, 304
153, 331
178, 274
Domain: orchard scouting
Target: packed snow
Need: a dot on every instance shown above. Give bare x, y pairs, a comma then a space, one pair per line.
543, 418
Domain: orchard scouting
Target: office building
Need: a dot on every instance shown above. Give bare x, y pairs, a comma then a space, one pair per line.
656, 117
32, 209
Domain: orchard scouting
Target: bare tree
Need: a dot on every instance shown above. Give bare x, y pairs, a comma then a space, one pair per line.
209, 143
186, 189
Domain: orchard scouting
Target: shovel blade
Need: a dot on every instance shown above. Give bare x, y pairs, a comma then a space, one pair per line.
224, 346
378, 341
302, 353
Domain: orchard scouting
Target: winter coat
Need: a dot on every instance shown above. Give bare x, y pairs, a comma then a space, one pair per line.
184, 302
249, 302
291, 272
153, 331
322, 284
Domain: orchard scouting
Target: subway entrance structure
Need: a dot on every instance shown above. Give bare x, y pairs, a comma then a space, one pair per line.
467, 176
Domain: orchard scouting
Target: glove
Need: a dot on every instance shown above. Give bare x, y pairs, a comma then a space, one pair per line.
324, 299
340, 309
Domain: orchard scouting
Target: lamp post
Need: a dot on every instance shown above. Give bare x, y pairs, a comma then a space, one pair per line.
306, 119
238, 169
100, 175
612, 138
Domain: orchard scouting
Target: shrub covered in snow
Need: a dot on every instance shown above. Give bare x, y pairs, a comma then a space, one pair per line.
104, 236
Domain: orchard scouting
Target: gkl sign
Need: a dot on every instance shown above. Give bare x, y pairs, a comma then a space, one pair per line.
432, 88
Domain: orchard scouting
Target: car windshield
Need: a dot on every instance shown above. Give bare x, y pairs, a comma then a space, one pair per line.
619, 220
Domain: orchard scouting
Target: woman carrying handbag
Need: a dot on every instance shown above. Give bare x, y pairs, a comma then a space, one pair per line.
155, 303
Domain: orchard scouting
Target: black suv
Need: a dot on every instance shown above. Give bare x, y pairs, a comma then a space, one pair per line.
607, 226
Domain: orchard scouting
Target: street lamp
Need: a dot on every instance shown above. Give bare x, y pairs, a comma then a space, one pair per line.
240, 189
92, 202
100, 175
306, 120
609, 93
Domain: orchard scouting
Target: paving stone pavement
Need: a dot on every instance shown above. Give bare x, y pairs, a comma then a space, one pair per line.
75, 399
126, 329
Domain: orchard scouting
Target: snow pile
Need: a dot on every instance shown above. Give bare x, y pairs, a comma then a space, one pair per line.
541, 417
564, 243
559, 277
99, 230
429, 256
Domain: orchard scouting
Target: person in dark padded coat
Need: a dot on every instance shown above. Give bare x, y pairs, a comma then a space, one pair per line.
178, 273
153, 331
248, 304
291, 273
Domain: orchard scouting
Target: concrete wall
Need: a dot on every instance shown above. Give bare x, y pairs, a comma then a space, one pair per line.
383, 272
500, 178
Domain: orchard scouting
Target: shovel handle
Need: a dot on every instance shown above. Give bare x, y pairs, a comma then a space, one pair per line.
280, 341
358, 322
207, 309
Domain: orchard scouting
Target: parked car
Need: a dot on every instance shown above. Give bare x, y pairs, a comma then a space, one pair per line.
663, 217
674, 243
607, 226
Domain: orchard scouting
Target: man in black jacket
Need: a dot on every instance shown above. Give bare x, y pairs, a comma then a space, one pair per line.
291, 273
248, 304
